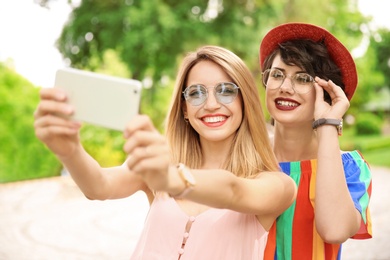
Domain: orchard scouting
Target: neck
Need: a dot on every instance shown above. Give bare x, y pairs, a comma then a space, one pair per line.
215, 154
294, 144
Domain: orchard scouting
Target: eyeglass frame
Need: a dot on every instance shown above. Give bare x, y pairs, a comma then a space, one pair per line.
235, 87
291, 77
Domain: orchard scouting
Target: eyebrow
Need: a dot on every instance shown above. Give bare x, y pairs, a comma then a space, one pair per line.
284, 71
219, 83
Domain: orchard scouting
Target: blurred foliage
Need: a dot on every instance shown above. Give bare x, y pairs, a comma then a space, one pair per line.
378, 157
150, 37
22, 155
374, 73
380, 43
146, 40
103, 145
368, 124
375, 148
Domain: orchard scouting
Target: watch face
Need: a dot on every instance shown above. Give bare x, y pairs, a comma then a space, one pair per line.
189, 177
340, 128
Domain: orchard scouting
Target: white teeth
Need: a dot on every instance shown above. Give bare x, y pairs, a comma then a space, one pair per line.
287, 103
214, 119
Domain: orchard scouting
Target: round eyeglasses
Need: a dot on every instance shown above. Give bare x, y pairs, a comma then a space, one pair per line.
301, 82
224, 92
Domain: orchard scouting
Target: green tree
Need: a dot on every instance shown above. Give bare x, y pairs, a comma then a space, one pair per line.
22, 155
380, 43
149, 38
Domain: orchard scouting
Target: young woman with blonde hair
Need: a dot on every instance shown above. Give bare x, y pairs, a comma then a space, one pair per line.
212, 181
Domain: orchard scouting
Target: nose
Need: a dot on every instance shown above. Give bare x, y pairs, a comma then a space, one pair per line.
211, 102
287, 85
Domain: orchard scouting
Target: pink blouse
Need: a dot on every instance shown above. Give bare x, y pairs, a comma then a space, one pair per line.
213, 234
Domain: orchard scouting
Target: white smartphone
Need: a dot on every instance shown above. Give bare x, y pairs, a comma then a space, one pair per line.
99, 99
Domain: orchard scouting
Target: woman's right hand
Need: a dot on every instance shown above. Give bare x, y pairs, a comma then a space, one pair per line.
339, 104
52, 124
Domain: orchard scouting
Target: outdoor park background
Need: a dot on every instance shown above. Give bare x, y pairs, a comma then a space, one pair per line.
145, 40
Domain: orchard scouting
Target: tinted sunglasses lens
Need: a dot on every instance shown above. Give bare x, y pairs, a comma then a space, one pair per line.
195, 94
226, 92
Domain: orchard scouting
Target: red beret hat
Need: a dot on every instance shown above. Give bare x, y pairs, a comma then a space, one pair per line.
338, 52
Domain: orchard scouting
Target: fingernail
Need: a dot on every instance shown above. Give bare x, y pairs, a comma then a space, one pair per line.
76, 125
69, 109
60, 96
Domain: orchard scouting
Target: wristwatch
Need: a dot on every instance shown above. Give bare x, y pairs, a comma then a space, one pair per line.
188, 179
338, 123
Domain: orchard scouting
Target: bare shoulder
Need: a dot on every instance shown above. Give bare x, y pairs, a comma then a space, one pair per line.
280, 191
282, 182
277, 174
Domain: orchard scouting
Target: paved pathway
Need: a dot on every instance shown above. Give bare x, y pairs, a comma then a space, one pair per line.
51, 219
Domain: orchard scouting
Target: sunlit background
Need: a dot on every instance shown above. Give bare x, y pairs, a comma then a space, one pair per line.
28, 33
50, 218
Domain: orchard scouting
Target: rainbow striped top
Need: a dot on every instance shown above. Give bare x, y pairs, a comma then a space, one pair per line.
293, 236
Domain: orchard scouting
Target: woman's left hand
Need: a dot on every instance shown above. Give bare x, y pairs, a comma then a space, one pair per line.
148, 152
339, 104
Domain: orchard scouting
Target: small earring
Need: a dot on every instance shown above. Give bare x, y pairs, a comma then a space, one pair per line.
186, 120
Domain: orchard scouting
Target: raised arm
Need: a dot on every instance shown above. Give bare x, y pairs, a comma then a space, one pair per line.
266, 196
336, 217
61, 135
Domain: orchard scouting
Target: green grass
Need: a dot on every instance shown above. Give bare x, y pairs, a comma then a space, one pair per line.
379, 157
375, 148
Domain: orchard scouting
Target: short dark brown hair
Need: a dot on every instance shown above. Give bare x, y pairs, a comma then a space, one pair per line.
313, 57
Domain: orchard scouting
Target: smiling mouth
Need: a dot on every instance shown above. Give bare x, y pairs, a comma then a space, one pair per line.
286, 103
214, 119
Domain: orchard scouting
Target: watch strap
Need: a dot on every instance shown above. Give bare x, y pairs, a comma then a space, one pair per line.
338, 123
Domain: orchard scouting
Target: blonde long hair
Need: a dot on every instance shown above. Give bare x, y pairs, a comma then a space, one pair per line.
251, 151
